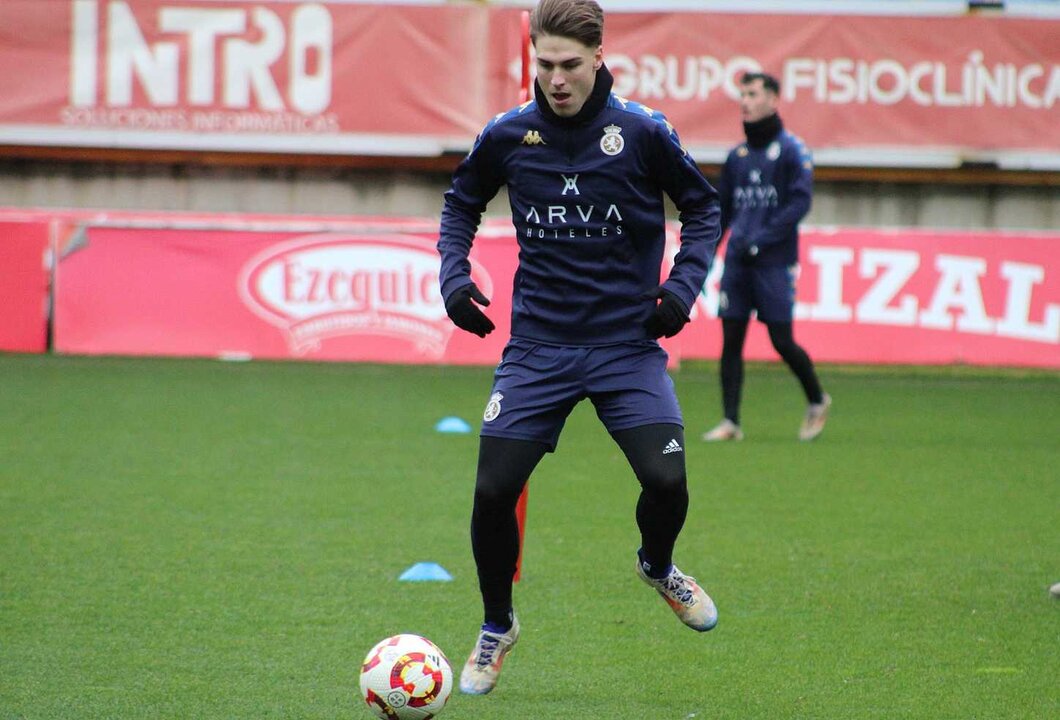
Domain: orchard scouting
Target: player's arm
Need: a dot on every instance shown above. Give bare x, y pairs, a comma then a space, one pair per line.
798, 175
475, 183
698, 210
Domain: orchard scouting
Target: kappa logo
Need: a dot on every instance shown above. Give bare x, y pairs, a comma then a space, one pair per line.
612, 143
493, 407
533, 137
672, 447
756, 177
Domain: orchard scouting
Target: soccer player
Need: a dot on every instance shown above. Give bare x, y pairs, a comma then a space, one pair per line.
586, 171
766, 188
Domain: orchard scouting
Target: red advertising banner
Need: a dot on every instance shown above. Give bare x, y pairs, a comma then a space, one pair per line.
23, 284
243, 75
362, 78
912, 296
268, 292
884, 89
368, 290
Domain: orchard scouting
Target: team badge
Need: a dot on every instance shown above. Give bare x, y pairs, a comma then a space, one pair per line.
741, 151
533, 137
493, 407
774, 150
612, 143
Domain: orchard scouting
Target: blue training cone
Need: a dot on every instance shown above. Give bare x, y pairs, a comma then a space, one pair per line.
452, 424
426, 572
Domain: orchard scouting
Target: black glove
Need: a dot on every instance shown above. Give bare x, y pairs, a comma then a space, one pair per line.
465, 314
668, 317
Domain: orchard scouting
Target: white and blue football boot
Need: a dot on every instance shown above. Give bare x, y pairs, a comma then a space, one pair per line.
685, 597
483, 667
813, 422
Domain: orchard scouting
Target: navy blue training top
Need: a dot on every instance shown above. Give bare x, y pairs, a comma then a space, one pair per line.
586, 196
765, 192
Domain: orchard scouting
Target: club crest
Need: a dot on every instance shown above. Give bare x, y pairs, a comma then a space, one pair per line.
774, 150
612, 143
493, 407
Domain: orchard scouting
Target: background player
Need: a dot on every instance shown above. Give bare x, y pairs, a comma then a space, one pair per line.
766, 189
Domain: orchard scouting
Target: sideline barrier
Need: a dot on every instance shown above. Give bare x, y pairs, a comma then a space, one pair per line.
912, 297
25, 241
366, 289
353, 290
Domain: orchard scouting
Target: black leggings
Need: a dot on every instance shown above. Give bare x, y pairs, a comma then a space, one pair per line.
734, 332
504, 466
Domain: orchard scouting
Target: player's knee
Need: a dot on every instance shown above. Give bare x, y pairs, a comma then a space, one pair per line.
495, 494
665, 481
785, 348
783, 341
730, 351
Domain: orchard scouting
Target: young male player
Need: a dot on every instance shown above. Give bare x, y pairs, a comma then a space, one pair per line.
766, 188
586, 171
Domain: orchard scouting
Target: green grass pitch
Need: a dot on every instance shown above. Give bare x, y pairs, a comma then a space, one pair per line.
194, 539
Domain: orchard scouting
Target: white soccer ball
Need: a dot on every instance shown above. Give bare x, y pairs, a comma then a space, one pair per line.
406, 677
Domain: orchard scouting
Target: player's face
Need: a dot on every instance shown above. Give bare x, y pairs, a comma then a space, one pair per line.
566, 72
756, 102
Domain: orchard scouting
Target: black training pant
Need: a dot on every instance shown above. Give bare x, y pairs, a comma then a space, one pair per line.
505, 465
734, 332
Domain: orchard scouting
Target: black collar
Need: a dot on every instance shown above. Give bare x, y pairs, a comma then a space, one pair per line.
761, 132
596, 101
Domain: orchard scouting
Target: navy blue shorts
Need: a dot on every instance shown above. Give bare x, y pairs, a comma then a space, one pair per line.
767, 289
536, 386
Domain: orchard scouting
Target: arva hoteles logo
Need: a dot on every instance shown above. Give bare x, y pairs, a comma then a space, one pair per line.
326, 286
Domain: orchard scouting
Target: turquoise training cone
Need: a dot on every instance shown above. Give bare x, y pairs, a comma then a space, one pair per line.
452, 424
426, 572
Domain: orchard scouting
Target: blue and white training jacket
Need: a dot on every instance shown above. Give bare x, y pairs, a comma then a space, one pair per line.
586, 196
765, 192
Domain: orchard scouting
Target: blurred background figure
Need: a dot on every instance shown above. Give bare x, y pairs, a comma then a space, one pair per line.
766, 189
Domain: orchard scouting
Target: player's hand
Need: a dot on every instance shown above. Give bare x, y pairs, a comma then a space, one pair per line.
465, 314
668, 317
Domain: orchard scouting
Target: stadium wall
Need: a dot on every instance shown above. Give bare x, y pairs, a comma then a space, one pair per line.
864, 201
919, 112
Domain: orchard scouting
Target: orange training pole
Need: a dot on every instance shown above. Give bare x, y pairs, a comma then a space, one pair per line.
524, 95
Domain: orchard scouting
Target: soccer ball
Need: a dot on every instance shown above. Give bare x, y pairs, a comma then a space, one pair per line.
406, 677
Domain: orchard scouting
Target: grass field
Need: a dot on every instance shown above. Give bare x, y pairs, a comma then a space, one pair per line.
193, 539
